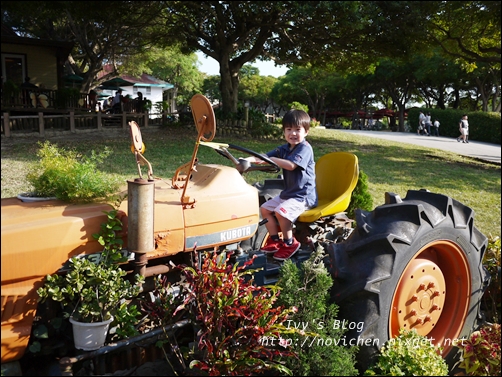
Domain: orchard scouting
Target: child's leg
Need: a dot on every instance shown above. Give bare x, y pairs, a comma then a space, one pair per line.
271, 224
286, 227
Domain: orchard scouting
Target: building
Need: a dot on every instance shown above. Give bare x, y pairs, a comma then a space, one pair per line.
151, 87
41, 60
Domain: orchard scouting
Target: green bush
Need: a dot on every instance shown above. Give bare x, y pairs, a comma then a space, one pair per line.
307, 288
261, 129
69, 176
409, 354
361, 197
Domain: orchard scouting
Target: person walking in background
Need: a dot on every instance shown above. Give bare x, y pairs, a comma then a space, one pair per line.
428, 124
421, 123
436, 126
463, 126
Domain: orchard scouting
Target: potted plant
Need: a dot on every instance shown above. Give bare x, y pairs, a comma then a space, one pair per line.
91, 291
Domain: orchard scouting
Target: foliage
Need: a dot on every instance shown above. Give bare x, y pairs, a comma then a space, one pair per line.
409, 354
89, 292
466, 30
160, 106
125, 319
492, 295
481, 351
308, 288
239, 328
298, 106
361, 197
110, 237
9, 91
172, 66
93, 291
314, 123
70, 176
67, 98
261, 129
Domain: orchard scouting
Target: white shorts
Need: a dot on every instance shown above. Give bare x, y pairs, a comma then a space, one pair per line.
291, 209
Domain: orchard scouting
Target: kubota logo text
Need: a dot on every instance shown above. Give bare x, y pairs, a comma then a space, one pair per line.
235, 233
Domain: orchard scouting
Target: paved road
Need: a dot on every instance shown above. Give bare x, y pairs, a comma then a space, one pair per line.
484, 151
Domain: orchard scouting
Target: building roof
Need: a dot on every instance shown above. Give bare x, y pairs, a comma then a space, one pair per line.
147, 80
144, 80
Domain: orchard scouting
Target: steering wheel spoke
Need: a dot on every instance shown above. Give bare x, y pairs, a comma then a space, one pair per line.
242, 165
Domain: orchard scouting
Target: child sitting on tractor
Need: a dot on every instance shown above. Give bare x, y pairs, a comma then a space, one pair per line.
296, 158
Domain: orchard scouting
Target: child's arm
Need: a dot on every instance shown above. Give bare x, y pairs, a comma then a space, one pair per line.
282, 163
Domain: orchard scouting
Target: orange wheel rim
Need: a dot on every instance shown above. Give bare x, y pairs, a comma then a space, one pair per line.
433, 294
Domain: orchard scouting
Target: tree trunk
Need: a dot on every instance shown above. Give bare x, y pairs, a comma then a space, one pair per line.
229, 87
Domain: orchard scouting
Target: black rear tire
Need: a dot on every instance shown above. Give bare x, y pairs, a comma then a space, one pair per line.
413, 263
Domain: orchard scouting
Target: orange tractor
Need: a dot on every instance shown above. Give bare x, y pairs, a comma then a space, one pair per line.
411, 263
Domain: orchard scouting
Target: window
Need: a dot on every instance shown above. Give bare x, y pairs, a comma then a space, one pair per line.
13, 68
146, 90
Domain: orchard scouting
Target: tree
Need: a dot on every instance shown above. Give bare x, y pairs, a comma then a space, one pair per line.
437, 78
255, 88
467, 30
399, 82
170, 65
235, 33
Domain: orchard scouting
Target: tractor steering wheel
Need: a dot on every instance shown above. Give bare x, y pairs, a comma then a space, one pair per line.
244, 166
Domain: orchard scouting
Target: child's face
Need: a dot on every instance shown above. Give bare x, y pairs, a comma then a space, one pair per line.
294, 134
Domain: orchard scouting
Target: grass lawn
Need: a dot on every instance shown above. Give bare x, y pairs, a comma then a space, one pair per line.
390, 166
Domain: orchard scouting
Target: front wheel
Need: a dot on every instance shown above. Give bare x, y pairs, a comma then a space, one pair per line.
415, 264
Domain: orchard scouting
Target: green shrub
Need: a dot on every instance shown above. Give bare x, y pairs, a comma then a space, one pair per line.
69, 176
260, 129
361, 197
299, 106
409, 354
307, 288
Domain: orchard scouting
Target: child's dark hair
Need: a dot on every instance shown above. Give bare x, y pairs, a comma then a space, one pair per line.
296, 118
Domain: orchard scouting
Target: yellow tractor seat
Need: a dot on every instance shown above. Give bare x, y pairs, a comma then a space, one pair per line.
337, 174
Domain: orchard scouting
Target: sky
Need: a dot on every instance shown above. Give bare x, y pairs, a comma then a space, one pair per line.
211, 67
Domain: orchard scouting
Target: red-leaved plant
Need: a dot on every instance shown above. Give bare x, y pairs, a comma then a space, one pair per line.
239, 330
481, 351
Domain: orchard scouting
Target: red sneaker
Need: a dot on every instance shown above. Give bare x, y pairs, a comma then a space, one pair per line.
271, 246
287, 251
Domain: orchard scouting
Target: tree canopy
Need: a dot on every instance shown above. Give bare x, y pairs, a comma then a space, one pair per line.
343, 37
